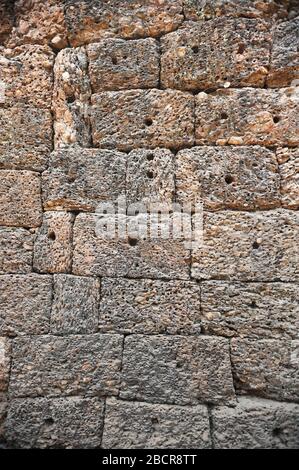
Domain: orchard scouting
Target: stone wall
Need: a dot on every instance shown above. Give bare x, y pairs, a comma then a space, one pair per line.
141, 343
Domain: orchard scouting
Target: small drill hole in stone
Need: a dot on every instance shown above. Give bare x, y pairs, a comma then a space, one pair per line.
71, 99
150, 157
52, 236
155, 421
148, 122
224, 115
49, 421
276, 119
133, 241
241, 48
195, 49
114, 60
277, 432
255, 245
253, 304
150, 175
229, 179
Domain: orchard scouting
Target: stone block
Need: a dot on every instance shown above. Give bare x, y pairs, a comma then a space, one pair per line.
244, 178
25, 304
142, 118
116, 64
20, 198
220, 52
149, 307
75, 305
152, 426
53, 244
16, 247
248, 117
73, 365
289, 174
177, 370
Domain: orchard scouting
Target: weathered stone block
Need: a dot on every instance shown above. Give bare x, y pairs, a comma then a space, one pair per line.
259, 246
27, 72
177, 370
96, 254
5, 353
20, 198
149, 307
142, 118
244, 178
150, 426
91, 20
25, 304
81, 179
150, 177
16, 247
267, 368
115, 64
289, 174
255, 309
53, 244
256, 424
215, 53
73, 365
75, 305
64, 423
199, 9
37, 23
25, 138
248, 117
71, 97
284, 67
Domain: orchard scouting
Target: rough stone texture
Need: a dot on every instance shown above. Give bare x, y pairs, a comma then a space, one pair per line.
5, 353
75, 305
98, 255
259, 246
71, 97
3, 413
21, 85
215, 53
206, 9
16, 248
244, 178
256, 424
6, 15
115, 64
254, 310
90, 20
53, 244
284, 67
74, 365
25, 138
247, 117
146, 426
293, 9
59, 423
267, 368
25, 304
289, 173
20, 198
37, 23
81, 179
149, 307
177, 370
142, 118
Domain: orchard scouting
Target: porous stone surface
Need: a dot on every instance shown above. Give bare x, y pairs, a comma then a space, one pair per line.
53, 243
177, 370
247, 117
116, 64
253, 309
6, 14
214, 53
75, 305
151, 426
267, 368
20, 198
57, 423
256, 424
244, 178
25, 304
5, 359
16, 247
289, 173
242, 246
150, 307
142, 118
90, 20
74, 365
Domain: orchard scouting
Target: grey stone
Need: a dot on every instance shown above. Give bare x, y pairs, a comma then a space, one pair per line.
16, 247
75, 305
5, 360
25, 304
177, 370
152, 426
73, 365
